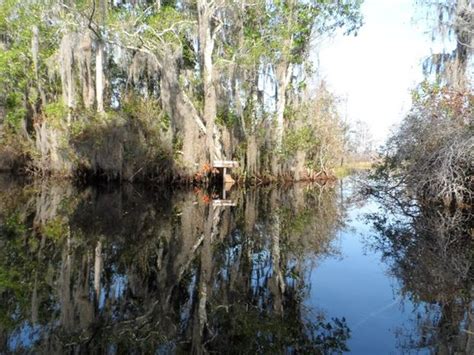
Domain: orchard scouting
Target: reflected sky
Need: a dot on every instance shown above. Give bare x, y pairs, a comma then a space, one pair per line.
300, 269
364, 292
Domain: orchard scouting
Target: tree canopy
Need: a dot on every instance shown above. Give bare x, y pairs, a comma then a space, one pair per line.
220, 79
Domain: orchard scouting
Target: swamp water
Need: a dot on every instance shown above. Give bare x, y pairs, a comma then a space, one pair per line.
299, 269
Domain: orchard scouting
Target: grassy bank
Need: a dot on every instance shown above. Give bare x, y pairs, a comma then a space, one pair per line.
351, 167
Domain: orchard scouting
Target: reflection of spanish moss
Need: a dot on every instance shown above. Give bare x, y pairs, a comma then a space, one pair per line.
431, 253
96, 271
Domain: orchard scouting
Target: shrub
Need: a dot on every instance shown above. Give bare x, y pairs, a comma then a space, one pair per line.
432, 151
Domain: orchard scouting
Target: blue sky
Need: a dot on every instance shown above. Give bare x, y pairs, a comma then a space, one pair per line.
377, 69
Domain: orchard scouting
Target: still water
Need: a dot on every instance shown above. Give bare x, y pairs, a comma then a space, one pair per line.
297, 269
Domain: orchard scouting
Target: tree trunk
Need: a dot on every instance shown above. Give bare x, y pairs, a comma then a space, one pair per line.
237, 73
66, 62
252, 155
98, 262
35, 53
84, 54
186, 119
464, 46
99, 76
276, 283
3, 110
283, 74
99, 60
284, 69
206, 48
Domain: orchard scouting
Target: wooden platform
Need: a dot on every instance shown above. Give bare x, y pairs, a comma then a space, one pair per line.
225, 164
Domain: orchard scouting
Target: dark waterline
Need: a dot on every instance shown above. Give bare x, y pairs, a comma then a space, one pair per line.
301, 269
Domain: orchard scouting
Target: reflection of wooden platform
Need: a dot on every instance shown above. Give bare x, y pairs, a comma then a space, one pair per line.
224, 203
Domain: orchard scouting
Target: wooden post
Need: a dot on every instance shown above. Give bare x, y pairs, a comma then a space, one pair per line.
224, 164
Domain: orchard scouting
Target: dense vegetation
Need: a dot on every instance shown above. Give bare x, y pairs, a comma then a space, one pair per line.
160, 89
431, 156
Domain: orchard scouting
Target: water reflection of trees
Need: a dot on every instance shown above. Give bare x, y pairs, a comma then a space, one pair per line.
431, 253
109, 270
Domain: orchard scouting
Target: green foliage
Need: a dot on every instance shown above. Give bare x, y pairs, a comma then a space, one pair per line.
77, 128
177, 145
56, 113
315, 127
12, 69
147, 110
16, 66
14, 225
299, 139
15, 110
55, 228
289, 25
226, 118
156, 27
